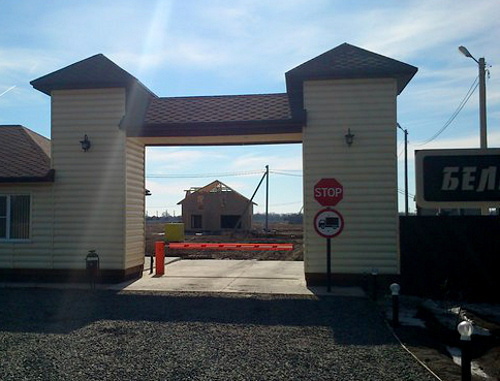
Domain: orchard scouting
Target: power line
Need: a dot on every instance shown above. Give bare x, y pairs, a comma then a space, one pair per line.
401, 191
285, 173
400, 147
202, 175
464, 101
287, 203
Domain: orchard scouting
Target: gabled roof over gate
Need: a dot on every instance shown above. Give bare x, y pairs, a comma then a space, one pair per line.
211, 116
220, 115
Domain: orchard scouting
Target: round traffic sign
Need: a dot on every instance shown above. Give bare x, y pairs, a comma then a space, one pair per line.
328, 223
328, 192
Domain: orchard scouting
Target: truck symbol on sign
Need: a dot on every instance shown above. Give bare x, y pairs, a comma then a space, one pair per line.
329, 222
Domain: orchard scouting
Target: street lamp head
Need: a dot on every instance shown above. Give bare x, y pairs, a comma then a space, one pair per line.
465, 330
464, 51
395, 288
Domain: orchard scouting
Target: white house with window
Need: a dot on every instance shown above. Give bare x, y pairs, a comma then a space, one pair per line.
26, 180
15, 211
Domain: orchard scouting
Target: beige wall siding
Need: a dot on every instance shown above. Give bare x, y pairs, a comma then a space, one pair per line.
89, 191
135, 208
367, 171
37, 251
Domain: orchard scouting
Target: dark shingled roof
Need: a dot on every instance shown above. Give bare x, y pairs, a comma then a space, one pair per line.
24, 155
346, 62
95, 72
220, 115
228, 108
150, 116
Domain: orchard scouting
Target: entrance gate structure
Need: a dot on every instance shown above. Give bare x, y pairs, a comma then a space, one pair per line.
96, 200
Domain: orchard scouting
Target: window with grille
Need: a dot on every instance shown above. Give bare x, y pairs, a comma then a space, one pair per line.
15, 211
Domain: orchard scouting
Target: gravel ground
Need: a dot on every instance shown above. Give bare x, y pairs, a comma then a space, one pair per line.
102, 335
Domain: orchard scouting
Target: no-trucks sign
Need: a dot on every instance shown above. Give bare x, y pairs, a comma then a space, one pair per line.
328, 223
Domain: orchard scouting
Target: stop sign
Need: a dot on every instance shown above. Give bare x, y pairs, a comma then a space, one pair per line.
328, 192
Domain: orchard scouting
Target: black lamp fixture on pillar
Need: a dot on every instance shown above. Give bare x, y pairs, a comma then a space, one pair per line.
85, 143
349, 137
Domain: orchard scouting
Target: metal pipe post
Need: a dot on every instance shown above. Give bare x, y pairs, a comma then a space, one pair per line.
374, 284
466, 360
395, 310
329, 264
160, 257
406, 172
267, 198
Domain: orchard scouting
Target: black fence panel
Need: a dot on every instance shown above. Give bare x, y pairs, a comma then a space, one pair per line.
455, 257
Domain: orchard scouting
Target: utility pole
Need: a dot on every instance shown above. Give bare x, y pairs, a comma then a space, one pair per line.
483, 140
482, 103
481, 63
267, 198
406, 168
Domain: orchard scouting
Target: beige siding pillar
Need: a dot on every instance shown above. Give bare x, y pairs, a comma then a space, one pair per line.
89, 189
135, 204
367, 170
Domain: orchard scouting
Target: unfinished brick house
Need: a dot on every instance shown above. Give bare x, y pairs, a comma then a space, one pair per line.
215, 207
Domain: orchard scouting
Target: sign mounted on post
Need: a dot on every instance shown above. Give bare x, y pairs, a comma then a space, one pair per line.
463, 178
328, 192
328, 223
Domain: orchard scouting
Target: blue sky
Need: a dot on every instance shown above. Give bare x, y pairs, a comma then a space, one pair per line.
199, 47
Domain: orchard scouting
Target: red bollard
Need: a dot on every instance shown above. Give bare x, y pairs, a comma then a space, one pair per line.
160, 257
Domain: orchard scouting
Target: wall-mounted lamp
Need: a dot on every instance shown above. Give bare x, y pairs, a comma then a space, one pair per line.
349, 137
85, 143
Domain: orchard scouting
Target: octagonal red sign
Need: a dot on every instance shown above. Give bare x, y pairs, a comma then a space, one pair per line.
328, 192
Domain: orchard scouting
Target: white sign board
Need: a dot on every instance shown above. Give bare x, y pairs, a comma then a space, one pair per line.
458, 178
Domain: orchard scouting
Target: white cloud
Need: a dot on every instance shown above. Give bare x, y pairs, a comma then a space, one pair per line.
159, 160
255, 161
422, 26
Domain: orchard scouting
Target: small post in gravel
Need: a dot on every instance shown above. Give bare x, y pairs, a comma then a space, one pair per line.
374, 284
465, 331
395, 288
92, 267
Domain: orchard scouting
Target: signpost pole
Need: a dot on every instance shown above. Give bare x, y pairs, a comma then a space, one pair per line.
328, 222
329, 264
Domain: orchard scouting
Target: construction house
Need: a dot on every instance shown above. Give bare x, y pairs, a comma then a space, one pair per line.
215, 207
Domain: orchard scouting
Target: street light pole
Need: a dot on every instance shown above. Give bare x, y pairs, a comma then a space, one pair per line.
482, 95
406, 168
483, 139
482, 103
